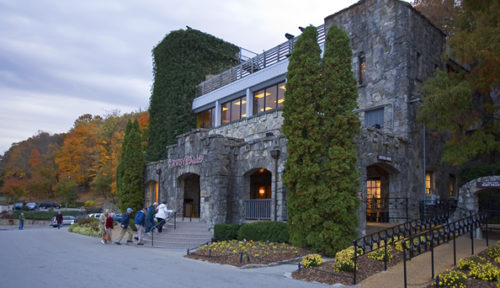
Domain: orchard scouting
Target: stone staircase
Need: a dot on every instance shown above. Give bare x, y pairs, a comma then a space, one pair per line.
187, 234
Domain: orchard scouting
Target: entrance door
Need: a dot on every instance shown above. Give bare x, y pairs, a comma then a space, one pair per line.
192, 195
377, 194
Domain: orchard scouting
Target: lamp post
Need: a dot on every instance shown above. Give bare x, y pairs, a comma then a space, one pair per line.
275, 153
158, 171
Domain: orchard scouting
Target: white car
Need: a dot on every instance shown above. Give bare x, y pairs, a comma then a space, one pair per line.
67, 220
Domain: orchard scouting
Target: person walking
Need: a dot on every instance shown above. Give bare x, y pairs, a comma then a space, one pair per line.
125, 227
59, 219
150, 217
140, 223
102, 225
161, 215
108, 226
21, 221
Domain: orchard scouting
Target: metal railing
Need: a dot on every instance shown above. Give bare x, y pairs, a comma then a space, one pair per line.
258, 209
172, 218
387, 209
259, 62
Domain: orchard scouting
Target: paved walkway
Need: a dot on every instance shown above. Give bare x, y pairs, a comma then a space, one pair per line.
419, 269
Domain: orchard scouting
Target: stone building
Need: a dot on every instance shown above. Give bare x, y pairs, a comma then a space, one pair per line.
229, 169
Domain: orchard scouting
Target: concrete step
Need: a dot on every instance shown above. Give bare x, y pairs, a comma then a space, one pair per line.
187, 235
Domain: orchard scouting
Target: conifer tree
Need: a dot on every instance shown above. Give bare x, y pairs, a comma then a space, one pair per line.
321, 169
301, 128
131, 168
338, 199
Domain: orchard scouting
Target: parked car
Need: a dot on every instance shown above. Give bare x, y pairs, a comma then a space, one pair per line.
67, 220
81, 216
47, 205
117, 217
19, 205
32, 206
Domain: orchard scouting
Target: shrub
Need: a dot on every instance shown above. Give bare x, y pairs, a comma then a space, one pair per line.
311, 260
344, 260
494, 252
226, 231
399, 246
469, 262
264, 231
379, 254
484, 271
452, 278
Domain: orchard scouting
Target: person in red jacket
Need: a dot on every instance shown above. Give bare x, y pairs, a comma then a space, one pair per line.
59, 219
108, 230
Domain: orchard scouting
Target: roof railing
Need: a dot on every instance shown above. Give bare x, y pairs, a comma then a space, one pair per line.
252, 65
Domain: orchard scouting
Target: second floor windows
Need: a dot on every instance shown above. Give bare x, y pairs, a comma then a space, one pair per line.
375, 118
268, 99
233, 110
206, 119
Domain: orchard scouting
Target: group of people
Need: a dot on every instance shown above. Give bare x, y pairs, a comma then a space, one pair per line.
144, 222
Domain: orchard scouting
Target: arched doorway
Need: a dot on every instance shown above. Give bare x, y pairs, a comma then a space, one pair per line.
191, 184
258, 205
470, 194
151, 193
377, 194
489, 203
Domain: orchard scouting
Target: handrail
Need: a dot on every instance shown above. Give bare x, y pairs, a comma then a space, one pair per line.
163, 222
254, 64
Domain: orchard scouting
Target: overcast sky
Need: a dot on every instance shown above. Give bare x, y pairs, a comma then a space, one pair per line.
60, 59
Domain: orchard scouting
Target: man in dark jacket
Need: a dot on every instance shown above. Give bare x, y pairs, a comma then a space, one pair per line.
140, 222
125, 227
150, 217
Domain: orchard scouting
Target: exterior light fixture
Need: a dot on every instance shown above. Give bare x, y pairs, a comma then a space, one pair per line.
262, 191
289, 36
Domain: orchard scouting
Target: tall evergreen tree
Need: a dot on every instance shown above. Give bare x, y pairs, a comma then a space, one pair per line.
181, 61
321, 168
301, 127
338, 199
131, 168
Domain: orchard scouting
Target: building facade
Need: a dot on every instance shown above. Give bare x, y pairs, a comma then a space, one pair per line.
229, 169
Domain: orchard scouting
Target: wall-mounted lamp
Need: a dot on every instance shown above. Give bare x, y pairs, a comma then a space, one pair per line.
262, 191
289, 36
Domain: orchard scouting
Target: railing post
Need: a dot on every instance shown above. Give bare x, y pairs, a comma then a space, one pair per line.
471, 227
355, 246
385, 253
404, 261
454, 250
432, 252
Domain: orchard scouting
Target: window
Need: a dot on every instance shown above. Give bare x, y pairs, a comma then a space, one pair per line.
361, 69
452, 185
269, 99
429, 183
375, 118
419, 66
206, 119
373, 188
233, 110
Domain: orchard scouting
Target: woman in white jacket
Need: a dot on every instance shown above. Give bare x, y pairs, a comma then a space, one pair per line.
161, 216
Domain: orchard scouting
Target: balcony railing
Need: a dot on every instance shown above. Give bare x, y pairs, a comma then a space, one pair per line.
259, 62
258, 209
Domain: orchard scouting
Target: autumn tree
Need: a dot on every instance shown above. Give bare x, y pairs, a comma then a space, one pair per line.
463, 102
131, 168
441, 13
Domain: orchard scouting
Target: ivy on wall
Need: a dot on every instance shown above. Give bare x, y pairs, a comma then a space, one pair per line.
180, 62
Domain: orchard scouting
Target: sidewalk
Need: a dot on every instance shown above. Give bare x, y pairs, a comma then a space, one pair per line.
419, 269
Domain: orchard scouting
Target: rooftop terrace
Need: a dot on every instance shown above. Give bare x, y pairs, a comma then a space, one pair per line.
259, 62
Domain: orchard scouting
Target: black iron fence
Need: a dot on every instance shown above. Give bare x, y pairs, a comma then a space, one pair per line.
387, 209
258, 209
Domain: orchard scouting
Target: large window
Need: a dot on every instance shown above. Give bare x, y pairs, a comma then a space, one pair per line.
268, 99
452, 185
373, 188
375, 118
233, 110
206, 119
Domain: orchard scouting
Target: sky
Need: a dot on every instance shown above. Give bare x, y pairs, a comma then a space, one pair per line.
61, 59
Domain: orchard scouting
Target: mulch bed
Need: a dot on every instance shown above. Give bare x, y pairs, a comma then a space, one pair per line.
325, 273
234, 259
